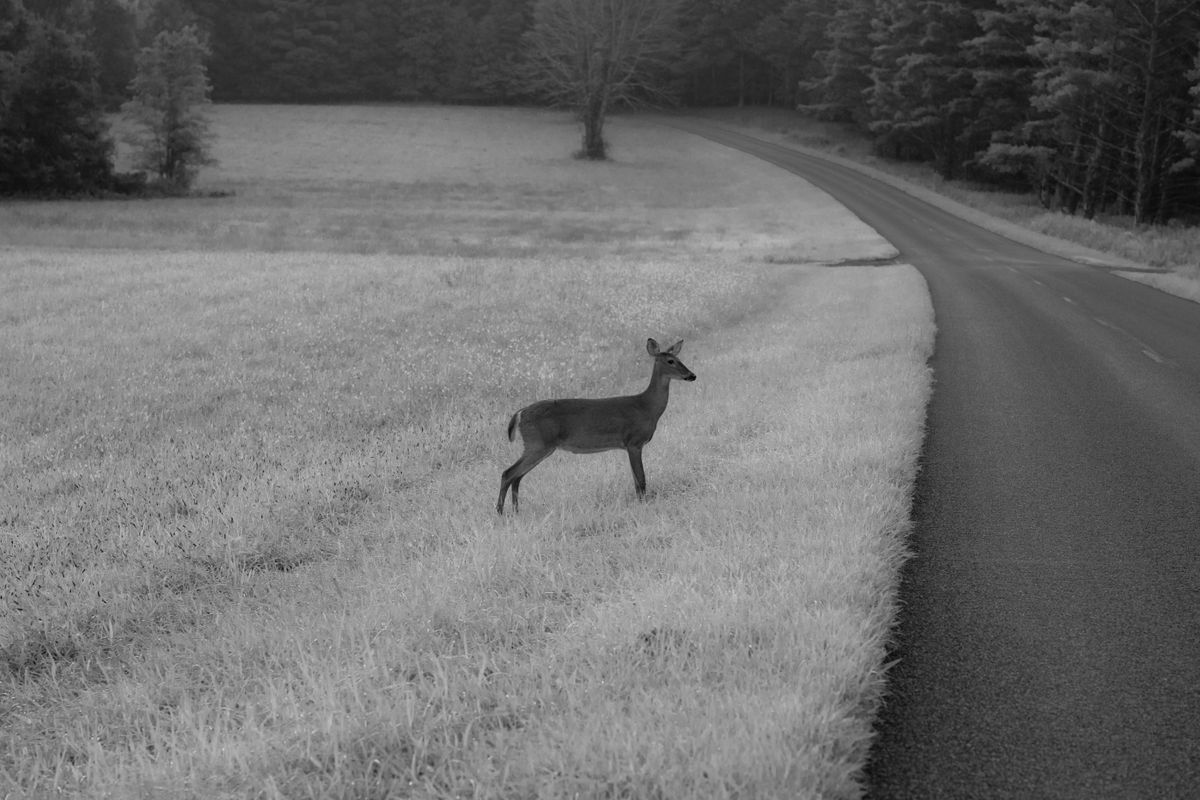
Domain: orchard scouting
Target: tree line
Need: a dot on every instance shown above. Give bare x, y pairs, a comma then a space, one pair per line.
67, 63
1092, 104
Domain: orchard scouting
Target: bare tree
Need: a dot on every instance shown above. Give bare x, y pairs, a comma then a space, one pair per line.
590, 55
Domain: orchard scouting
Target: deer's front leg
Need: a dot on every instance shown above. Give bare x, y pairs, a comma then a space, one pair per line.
639, 474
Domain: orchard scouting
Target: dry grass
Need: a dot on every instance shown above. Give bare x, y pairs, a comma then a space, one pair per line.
1182, 282
249, 496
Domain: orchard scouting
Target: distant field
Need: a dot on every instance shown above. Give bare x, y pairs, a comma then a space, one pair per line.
250, 448
428, 181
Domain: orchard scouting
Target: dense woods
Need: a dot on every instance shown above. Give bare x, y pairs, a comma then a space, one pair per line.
1093, 104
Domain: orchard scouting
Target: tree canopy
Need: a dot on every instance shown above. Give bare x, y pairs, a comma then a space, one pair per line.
170, 92
590, 55
53, 135
1093, 104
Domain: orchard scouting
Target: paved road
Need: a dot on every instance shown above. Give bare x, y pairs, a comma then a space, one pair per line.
1049, 645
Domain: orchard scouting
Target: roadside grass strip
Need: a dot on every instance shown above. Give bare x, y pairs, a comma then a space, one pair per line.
1181, 281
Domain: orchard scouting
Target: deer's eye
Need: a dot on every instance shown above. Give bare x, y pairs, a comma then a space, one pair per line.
671, 361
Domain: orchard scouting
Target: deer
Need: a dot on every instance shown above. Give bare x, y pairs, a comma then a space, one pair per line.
582, 425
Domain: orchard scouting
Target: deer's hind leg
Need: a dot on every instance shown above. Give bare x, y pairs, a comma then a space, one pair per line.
511, 477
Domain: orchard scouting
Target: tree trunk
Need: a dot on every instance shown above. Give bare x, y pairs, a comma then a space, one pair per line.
741, 80
1093, 186
1145, 148
593, 134
1067, 176
946, 158
595, 105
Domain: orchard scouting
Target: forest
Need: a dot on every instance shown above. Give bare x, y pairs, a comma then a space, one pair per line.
1092, 104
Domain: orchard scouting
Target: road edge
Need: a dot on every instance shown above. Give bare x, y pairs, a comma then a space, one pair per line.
1010, 230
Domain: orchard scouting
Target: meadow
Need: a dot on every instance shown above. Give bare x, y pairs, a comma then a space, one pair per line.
250, 445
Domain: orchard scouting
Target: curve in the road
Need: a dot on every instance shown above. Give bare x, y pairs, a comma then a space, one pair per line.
1049, 642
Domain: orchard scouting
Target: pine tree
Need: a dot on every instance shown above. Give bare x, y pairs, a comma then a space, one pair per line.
840, 93
1112, 91
1003, 70
920, 99
53, 136
787, 39
1165, 33
1189, 132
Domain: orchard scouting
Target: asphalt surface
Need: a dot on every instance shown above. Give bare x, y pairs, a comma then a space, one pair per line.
1049, 643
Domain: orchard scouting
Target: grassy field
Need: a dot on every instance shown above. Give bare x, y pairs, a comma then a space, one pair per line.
251, 447
1171, 253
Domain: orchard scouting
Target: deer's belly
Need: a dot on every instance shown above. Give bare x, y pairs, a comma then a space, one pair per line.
590, 448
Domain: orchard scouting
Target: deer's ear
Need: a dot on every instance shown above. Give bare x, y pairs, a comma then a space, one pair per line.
675, 348
652, 347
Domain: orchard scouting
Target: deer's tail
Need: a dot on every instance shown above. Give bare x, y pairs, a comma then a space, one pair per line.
512, 425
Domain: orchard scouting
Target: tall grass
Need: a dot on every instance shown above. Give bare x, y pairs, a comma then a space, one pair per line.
183, 409
248, 497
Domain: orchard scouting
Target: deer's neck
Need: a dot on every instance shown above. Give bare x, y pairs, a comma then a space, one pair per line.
656, 394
